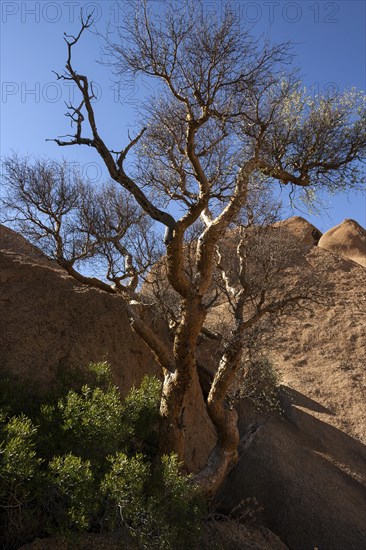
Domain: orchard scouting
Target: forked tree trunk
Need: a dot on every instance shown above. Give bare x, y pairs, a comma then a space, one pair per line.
178, 381
175, 389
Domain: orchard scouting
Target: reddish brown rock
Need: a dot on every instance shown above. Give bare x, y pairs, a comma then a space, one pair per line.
305, 232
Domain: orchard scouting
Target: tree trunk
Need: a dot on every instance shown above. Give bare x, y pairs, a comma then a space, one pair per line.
225, 453
177, 384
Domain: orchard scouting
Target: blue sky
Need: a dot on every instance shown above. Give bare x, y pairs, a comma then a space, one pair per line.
329, 40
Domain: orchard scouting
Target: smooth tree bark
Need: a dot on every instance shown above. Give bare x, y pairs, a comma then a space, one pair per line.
227, 113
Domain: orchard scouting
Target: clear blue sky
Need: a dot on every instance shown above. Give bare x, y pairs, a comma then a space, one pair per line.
329, 39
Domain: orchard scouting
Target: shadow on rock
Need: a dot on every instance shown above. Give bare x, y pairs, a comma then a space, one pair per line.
308, 476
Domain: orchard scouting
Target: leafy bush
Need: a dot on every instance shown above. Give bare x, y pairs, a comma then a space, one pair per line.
71, 484
124, 488
21, 480
95, 375
141, 416
87, 460
158, 505
92, 421
17, 450
24, 397
99, 375
88, 413
178, 506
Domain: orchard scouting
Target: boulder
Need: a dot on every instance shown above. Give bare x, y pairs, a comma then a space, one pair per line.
308, 476
348, 239
305, 232
50, 322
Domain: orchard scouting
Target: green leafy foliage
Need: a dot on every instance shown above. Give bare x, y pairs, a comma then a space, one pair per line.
141, 415
21, 480
92, 421
124, 488
17, 450
24, 397
87, 460
177, 505
99, 375
158, 505
71, 482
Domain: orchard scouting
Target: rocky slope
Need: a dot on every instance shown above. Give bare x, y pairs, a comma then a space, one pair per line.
308, 467
348, 239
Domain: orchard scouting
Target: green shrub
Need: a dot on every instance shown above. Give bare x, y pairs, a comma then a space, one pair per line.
86, 459
140, 416
177, 505
71, 492
98, 375
159, 506
124, 487
23, 397
21, 481
92, 421
18, 457
87, 413
95, 375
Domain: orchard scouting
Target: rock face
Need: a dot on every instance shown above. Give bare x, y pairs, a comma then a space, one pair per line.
307, 468
348, 239
308, 476
49, 323
12, 242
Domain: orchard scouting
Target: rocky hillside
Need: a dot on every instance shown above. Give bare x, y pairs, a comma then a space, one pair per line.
348, 239
308, 467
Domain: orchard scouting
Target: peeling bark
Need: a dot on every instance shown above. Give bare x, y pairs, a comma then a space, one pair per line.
177, 384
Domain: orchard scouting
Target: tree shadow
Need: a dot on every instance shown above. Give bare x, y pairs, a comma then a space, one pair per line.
300, 400
340, 448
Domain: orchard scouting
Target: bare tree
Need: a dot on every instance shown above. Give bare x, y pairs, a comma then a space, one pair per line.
228, 111
80, 226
